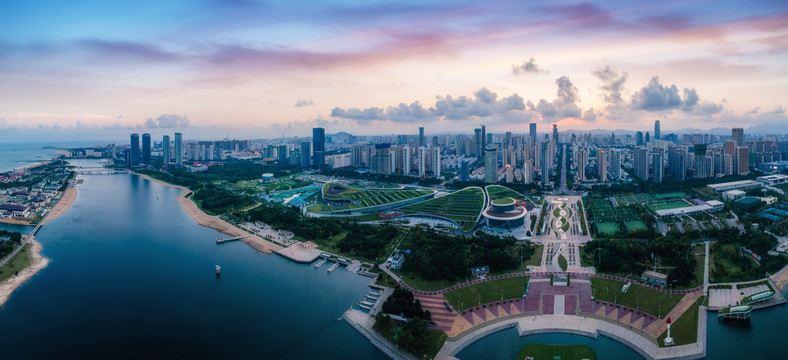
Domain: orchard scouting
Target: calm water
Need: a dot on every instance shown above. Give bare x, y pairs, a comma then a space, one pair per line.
131, 275
17, 155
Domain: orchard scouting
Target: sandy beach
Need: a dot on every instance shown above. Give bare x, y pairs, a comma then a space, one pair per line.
214, 222
38, 262
63, 204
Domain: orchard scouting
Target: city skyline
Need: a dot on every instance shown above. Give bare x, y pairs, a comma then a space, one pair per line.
261, 70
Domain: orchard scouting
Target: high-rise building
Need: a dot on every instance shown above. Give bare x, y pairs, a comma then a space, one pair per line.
545, 163
532, 135
701, 171
737, 135
484, 137
178, 149
507, 140
165, 149
657, 134
582, 159
436, 161
477, 143
421, 136
422, 161
612, 138
464, 172
659, 165
491, 164
615, 164
639, 138
555, 133
306, 154
677, 162
383, 158
743, 160
319, 147
528, 173
146, 149
640, 155
134, 159
601, 165
648, 139
406, 160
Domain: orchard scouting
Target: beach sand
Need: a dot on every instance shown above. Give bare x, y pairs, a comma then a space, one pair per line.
63, 204
38, 262
214, 222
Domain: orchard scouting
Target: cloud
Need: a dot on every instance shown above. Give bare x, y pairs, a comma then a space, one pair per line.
303, 102
564, 105
484, 103
3, 122
612, 84
168, 121
528, 67
656, 97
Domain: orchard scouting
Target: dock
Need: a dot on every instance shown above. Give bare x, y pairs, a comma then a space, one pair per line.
220, 240
320, 263
333, 267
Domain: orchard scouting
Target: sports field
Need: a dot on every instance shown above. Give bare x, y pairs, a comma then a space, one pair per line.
607, 228
667, 205
463, 207
670, 195
636, 225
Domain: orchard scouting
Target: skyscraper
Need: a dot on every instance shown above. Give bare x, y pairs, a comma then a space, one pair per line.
464, 173
484, 137
178, 149
601, 165
677, 162
507, 139
491, 164
134, 159
165, 148
657, 134
582, 159
421, 136
477, 143
436, 161
545, 164
319, 147
743, 160
422, 161
406, 160
737, 135
532, 135
701, 171
555, 133
146, 149
383, 158
639, 138
659, 164
615, 164
306, 154
641, 163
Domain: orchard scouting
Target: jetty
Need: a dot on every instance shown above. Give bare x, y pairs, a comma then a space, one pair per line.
320, 263
333, 267
224, 240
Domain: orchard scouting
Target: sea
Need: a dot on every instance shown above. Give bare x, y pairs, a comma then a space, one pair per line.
133, 276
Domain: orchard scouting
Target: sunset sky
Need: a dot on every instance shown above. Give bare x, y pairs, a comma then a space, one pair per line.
100, 69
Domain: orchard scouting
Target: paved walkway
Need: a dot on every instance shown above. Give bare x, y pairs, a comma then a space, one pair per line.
363, 323
578, 325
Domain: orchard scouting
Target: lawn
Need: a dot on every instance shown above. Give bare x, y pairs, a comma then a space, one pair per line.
486, 292
684, 330
607, 228
536, 257
553, 352
562, 262
462, 207
500, 192
635, 225
651, 301
19, 262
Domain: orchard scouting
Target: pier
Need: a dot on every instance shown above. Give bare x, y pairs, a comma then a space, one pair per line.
220, 240
333, 267
320, 263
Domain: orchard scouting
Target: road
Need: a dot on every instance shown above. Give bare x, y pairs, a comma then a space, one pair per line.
562, 188
706, 269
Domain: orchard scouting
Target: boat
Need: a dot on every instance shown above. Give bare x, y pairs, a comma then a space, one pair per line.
218, 270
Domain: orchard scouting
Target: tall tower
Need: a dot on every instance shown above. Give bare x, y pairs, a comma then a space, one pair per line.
532, 135
421, 136
659, 165
639, 138
306, 154
134, 143
737, 135
436, 161
146, 149
641, 163
422, 161
319, 147
700, 161
178, 149
657, 133
615, 164
491, 164
165, 148
555, 134
484, 137
601, 165
545, 164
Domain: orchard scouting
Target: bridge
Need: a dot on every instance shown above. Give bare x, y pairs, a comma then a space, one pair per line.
220, 240
100, 171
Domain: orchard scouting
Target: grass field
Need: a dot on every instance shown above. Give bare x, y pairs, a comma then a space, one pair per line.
607, 228
636, 225
562, 262
19, 262
667, 205
359, 198
463, 207
499, 192
536, 257
651, 301
684, 330
556, 352
487, 292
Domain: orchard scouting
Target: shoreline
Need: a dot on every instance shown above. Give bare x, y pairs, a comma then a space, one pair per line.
38, 262
214, 222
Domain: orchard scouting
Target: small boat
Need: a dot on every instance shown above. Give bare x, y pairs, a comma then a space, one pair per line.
218, 270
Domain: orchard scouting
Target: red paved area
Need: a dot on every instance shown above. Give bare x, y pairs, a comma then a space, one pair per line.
548, 304
570, 304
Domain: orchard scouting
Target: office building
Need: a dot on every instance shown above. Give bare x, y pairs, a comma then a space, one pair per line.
640, 155
615, 164
383, 158
306, 154
319, 147
601, 165
737, 135
532, 135
701, 170
743, 160
134, 151
406, 159
484, 137
657, 134
464, 172
422, 161
582, 159
165, 150
436, 161
146, 149
639, 138
659, 165
178, 149
421, 137
545, 165
491, 164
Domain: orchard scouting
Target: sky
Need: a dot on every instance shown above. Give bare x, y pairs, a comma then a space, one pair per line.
100, 69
